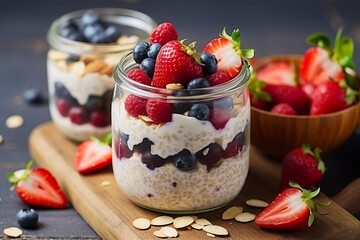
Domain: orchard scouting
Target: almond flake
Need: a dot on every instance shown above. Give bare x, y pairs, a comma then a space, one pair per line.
203, 221
210, 235
145, 119
197, 226
57, 55
245, 217
95, 66
78, 68
159, 234
256, 203
215, 229
105, 183
13, 232
1, 139
14, 121
194, 217
162, 221
174, 86
231, 212
169, 231
183, 221
141, 223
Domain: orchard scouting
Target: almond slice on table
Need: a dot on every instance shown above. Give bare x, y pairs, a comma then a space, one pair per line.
197, 226
231, 212
141, 223
159, 234
245, 217
1, 139
216, 230
169, 231
162, 221
13, 232
183, 221
256, 203
14, 121
203, 222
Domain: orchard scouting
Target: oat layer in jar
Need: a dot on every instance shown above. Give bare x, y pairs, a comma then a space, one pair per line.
84, 48
185, 165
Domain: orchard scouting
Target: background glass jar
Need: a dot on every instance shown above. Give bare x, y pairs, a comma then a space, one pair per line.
85, 46
185, 165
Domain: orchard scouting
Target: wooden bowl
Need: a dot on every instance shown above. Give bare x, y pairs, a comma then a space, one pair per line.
276, 134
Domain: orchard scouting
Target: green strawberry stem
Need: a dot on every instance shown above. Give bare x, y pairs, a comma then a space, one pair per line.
307, 197
316, 154
351, 95
256, 86
191, 50
107, 139
236, 44
19, 175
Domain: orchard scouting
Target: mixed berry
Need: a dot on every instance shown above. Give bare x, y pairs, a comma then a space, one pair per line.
95, 111
167, 62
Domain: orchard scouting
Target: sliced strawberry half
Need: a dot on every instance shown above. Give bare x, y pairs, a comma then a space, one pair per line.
38, 187
93, 155
278, 72
228, 52
292, 209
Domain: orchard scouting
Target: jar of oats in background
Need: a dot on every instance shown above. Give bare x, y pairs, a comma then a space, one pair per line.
84, 48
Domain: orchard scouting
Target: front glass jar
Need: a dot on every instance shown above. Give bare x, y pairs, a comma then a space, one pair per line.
84, 48
184, 165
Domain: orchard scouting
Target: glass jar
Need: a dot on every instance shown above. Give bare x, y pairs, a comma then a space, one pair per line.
185, 165
80, 69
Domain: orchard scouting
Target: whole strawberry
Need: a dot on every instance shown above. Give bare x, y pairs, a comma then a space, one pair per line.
176, 63
302, 165
331, 97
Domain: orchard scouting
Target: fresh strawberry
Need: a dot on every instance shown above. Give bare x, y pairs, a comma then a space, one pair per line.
176, 63
93, 155
135, 105
322, 62
283, 108
228, 52
219, 117
293, 96
139, 76
38, 187
332, 96
292, 209
302, 165
159, 111
278, 73
258, 97
163, 33
218, 77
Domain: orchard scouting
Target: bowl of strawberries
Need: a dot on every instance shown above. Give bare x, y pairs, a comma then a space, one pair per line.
311, 98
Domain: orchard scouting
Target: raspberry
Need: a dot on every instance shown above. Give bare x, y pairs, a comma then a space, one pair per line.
99, 118
78, 115
219, 117
283, 108
163, 33
139, 76
218, 78
135, 105
159, 111
63, 105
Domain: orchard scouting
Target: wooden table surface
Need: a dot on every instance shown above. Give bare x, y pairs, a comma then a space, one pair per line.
271, 27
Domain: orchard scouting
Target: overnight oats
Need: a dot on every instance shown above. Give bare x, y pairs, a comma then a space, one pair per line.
85, 47
181, 125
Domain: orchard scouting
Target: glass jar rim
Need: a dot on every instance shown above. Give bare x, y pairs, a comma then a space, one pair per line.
122, 16
221, 90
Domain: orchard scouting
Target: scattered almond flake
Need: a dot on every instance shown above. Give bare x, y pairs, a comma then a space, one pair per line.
87, 59
215, 229
231, 212
174, 86
141, 223
1, 139
105, 183
14, 121
245, 217
159, 234
162, 221
145, 119
169, 231
78, 68
57, 55
95, 66
183, 221
13, 232
203, 221
197, 226
256, 203
194, 217
210, 235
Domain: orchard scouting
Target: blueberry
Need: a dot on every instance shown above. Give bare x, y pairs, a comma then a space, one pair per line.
33, 95
184, 160
92, 31
90, 17
154, 50
72, 58
199, 111
181, 106
61, 90
210, 155
198, 83
111, 34
148, 66
95, 103
152, 161
225, 103
76, 36
209, 61
123, 149
66, 28
143, 146
27, 218
140, 51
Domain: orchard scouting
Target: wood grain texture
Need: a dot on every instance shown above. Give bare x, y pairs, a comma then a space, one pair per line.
110, 213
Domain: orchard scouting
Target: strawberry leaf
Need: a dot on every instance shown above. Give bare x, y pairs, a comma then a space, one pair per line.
319, 40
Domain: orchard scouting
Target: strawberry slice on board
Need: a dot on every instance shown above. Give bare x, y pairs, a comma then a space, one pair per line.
292, 209
324, 62
278, 73
228, 52
38, 187
93, 155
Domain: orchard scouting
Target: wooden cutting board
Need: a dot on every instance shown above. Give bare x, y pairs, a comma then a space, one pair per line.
111, 214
